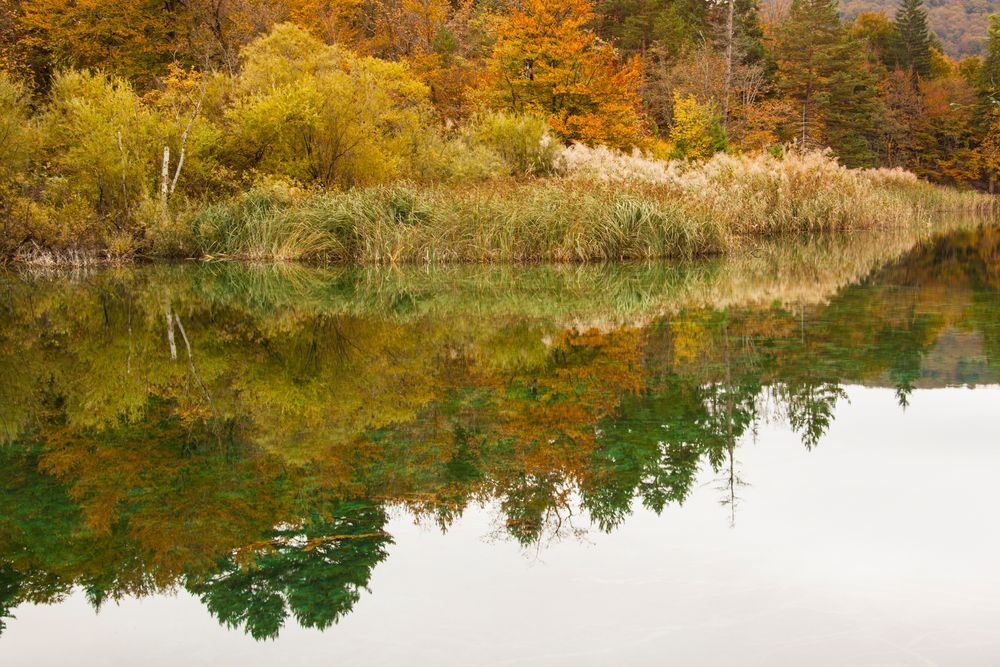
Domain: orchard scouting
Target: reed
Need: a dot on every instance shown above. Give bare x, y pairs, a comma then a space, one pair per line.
604, 206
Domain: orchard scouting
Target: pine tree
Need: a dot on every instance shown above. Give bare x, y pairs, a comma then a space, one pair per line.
805, 43
913, 47
989, 76
825, 71
743, 42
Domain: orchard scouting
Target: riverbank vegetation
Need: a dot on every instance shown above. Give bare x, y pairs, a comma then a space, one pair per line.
598, 209
475, 132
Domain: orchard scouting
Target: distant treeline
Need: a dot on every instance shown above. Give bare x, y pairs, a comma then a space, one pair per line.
960, 25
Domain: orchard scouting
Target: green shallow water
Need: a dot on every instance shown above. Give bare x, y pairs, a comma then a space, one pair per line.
783, 458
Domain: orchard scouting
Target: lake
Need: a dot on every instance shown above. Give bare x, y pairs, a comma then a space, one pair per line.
787, 457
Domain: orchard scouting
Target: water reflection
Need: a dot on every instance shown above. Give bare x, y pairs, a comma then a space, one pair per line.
243, 432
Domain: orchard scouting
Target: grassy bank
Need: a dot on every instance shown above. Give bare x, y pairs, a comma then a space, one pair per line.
604, 206
805, 273
601, 205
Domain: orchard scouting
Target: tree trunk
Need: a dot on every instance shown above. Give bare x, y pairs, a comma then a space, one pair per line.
170, 333
185, 134
121, 152
164, 178
805, 122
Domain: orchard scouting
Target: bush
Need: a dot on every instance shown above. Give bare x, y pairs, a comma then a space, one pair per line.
455, 159
99, 144
696, 131
319, 114
17, 142
522, 141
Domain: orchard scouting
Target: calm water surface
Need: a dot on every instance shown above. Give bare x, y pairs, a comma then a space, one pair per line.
785, 459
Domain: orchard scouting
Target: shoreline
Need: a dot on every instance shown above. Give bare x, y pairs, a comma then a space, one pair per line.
633, 209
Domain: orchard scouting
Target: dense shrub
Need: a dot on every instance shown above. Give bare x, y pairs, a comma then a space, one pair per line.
521, 140
320, 114
17, 141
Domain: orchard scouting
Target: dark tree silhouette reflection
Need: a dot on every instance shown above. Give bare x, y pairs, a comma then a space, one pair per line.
314, 571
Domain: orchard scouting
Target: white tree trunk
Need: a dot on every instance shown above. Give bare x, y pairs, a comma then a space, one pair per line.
164, 177
184, 136
170, 332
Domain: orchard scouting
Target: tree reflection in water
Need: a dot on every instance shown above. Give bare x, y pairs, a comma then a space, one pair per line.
242, 432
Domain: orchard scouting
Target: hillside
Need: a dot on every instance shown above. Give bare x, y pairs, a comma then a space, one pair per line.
959, 24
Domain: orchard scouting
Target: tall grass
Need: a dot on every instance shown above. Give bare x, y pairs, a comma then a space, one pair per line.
259, 225
604, 206
762, 194
556, 220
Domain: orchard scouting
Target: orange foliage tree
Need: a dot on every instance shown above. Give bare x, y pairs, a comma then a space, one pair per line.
547, 61
336, 21
11, 48
946, 149
135, 38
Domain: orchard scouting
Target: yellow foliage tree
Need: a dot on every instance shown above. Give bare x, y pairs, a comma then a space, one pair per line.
695, 133
321, 114
100, 147
17, 142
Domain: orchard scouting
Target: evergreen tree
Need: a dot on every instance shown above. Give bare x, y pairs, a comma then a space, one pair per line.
825, 71
635, 26
806, 40
989, 74
854, 109
913, 45
750, 35
743, 42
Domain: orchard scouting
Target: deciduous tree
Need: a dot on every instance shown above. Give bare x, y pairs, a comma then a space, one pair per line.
547, 61
320, 114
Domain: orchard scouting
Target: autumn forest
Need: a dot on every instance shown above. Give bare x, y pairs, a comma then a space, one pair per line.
403, 130
483, 332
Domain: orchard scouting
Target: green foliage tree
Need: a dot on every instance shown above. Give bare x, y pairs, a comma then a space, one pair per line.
637, 25
989, 73
314, 572
824, 70
913, 38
